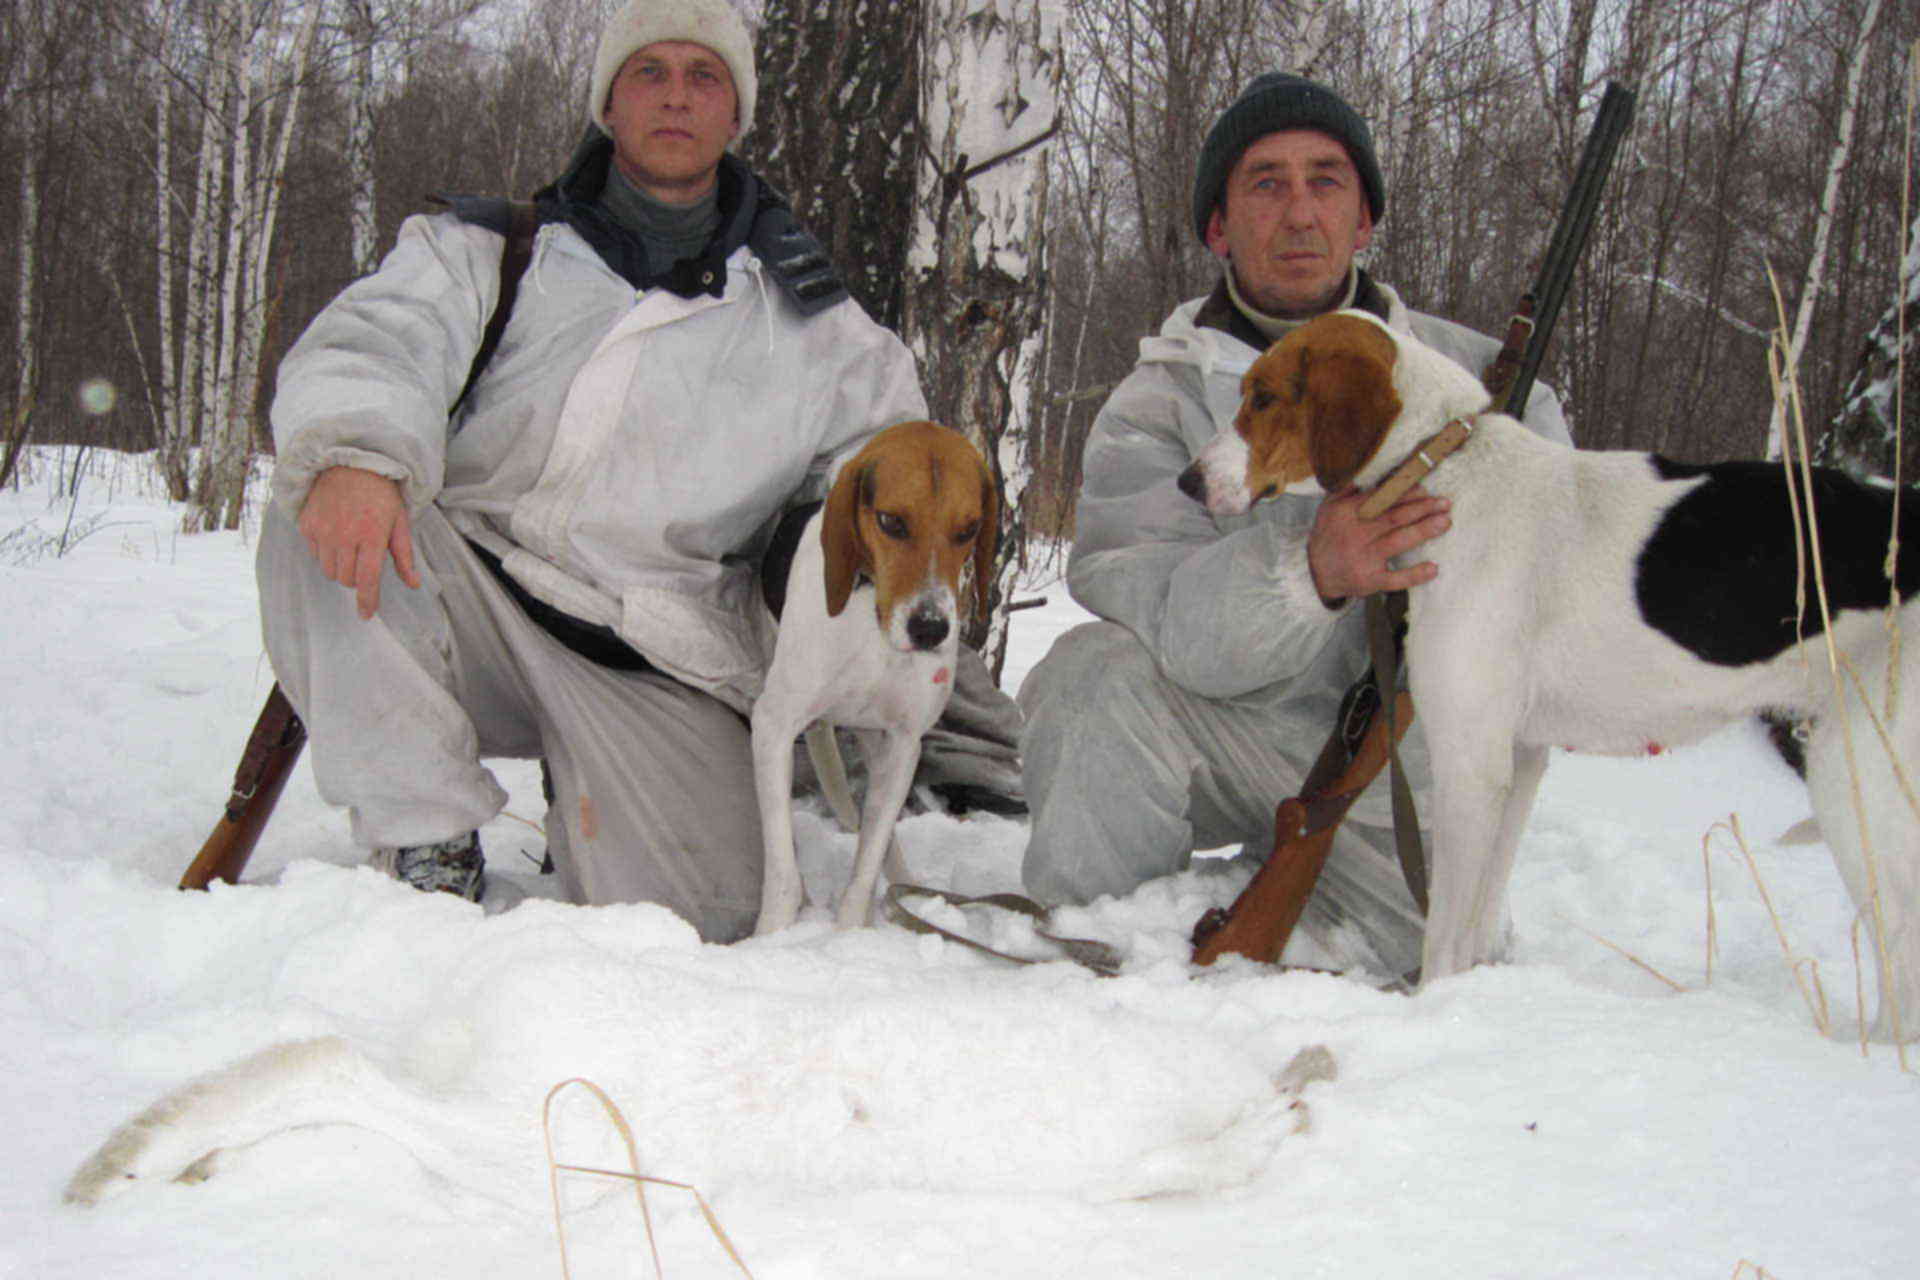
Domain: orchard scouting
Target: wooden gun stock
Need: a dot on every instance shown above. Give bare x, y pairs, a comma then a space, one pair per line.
272, 748
1263, 917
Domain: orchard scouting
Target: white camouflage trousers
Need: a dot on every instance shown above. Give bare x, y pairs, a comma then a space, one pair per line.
653, 780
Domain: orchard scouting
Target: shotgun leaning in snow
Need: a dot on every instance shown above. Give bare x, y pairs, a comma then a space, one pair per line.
1263, 917
278, 734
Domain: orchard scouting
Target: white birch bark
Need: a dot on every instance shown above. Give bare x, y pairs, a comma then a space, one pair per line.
169, 419
1823, 225
261, 211
990, 84
24, 311
362, 211
219, 444
197, 352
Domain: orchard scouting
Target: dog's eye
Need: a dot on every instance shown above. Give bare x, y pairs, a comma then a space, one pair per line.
890, 524
966, 534
1261, 399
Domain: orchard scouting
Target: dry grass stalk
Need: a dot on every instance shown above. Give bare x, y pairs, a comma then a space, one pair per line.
639, 1180
1621, 951
1786, 386
1754, 1269
1805, 969
1713, 925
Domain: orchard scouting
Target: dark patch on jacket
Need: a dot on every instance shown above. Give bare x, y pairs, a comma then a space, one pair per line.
1718, 574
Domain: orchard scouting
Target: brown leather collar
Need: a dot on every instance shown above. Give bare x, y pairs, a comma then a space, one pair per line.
1431, 453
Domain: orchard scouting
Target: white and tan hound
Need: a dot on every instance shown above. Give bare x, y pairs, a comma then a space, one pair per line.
869, 628
1611, 602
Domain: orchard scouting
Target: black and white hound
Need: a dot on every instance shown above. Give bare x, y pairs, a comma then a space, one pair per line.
1607, 602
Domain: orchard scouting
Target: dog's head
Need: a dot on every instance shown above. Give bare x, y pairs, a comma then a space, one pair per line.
908, 512
1319, 405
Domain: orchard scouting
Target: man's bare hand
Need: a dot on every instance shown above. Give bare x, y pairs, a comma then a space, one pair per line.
1349, 556
352, 520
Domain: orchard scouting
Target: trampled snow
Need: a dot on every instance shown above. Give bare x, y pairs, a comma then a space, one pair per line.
1615, 1103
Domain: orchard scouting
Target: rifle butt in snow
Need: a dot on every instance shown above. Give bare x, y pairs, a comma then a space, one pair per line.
1262, 918
272, 748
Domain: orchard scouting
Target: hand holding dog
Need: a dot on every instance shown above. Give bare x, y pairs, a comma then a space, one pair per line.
352, 519
1350, 556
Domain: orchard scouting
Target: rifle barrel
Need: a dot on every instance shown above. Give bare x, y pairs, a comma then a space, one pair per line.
1570, 233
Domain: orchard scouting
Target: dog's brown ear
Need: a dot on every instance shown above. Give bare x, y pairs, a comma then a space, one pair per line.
846, 550
1350, 388
985, 542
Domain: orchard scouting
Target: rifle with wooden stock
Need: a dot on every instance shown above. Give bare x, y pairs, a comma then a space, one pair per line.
1262, 918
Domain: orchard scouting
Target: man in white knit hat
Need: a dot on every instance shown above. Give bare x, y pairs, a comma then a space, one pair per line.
565, 568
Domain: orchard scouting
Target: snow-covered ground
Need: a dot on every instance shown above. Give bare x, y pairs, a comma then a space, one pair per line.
875, 1104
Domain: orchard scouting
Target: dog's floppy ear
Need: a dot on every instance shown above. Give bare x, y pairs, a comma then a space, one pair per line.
1349, 384
985, 541
846, 550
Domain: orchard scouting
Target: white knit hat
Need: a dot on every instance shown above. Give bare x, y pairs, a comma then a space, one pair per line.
712, 23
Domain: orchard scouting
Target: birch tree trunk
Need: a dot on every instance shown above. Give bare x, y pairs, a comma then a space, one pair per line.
362, 209
837, 132
1823, 226
975, 271
218, 444
169, 421
1866, 434
260, 111
26, 375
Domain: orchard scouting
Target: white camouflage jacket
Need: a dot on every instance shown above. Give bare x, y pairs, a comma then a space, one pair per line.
1227, 607
627, 449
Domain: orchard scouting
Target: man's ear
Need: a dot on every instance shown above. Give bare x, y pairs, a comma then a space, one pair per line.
1217, 229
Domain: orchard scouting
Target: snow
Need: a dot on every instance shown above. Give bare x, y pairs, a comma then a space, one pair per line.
874, 1103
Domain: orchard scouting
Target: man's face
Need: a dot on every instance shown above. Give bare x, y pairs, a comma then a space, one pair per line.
1290, 219
672, 111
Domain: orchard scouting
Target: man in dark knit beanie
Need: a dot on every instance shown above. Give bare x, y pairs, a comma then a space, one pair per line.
1194, 705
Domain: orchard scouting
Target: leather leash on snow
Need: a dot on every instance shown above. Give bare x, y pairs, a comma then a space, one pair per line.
1085, 952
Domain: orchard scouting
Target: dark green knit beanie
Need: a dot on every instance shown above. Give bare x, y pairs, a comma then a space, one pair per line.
1269, 103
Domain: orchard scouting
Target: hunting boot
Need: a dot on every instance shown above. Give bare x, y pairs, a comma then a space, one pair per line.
451, 866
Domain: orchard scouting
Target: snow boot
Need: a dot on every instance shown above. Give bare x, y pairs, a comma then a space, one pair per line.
451, 866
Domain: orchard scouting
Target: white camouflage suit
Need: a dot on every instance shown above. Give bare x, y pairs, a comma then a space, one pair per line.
624, 457
1199, 703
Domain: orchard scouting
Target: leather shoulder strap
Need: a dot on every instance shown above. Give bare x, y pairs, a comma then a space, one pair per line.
523, 223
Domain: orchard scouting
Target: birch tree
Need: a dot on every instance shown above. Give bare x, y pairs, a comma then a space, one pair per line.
253, 61
990, 80
1866, 434
259, 156
837, 131
1823, 225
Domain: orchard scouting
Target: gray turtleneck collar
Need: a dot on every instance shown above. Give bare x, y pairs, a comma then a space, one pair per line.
1277, 327
669, 232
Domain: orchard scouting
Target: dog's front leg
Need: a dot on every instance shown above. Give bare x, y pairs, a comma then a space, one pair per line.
1529, 766
781, 891
1484, 785
892, 756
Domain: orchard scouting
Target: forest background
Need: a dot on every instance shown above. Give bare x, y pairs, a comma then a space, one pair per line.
1007, 182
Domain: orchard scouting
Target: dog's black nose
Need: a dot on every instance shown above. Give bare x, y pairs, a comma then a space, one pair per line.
927, 629
1193, 484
